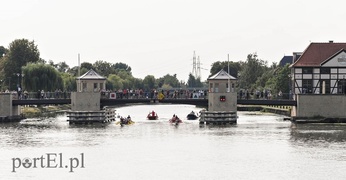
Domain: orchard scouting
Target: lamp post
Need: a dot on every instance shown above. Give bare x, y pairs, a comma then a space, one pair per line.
17, 80
21, 81
289, 87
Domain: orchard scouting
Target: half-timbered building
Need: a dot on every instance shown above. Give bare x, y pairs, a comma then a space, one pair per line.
321, 69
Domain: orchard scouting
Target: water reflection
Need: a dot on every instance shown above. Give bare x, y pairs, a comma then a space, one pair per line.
260, 143
317, 133
51, 132
219, 130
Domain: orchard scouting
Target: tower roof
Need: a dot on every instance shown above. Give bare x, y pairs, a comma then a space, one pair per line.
91, 75
222, 75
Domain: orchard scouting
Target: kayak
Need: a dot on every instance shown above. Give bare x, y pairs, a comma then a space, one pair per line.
191, 116
152, 115
175, 120
130, 122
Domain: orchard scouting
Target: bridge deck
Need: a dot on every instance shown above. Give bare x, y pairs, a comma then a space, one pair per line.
110, 102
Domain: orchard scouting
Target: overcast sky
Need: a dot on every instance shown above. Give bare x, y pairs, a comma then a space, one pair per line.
158, 37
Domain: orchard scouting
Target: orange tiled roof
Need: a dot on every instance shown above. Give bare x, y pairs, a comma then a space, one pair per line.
316, 53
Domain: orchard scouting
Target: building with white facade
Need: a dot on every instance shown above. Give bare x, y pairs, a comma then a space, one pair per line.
321, 69
318, 81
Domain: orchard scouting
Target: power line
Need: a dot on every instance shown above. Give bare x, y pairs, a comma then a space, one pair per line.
194, 72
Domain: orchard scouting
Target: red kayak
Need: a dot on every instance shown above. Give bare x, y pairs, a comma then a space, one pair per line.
152, 116
175, 120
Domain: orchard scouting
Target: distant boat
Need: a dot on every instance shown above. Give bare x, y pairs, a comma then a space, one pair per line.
175, 120
192, 116
125, 121
152, 115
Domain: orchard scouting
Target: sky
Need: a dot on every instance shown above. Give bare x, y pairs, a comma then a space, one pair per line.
159, 37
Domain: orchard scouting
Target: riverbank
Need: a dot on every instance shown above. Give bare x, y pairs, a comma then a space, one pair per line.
282, 110
306, 120
45, 111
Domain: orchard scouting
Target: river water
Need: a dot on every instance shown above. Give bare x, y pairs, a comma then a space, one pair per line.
259, 146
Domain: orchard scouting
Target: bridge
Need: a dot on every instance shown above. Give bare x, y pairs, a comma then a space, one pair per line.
112, 102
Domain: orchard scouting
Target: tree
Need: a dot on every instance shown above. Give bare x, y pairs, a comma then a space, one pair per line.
193, 82
264, 81
149, 82
251, 70
124, 74
62, 67
137, 83
20, 52
103, 68
39, 76
3, 51
114, 82
119, 66
281, 80
51, 62
234, 67
169, 80
86, 65
69, 82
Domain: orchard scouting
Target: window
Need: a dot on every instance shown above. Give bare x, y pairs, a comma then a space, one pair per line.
216, 87
95, 87
307, 86
211, 87
84, 86
342, 86
325, 70
307, 70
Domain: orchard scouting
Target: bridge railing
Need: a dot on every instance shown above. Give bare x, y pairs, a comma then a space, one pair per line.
41, 95
144, 95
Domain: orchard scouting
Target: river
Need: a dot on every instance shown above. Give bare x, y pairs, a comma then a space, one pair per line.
259, 146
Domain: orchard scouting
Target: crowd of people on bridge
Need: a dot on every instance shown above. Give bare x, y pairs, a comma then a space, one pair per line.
257, 94
119, 94
154, 94
140, 94
40, 94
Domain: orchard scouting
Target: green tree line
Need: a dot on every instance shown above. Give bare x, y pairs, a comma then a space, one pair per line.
22, 66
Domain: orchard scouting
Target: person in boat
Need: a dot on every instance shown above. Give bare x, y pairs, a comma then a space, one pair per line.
153, 113
176, 120
128, 119
122, 120
174, 117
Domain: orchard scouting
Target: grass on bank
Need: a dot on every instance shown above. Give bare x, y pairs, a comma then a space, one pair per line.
38, 111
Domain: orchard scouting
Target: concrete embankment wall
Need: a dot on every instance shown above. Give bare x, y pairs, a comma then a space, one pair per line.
6, 108
5, 104
317, 105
